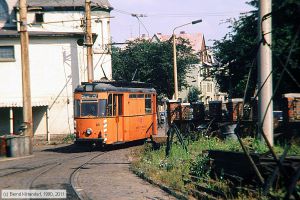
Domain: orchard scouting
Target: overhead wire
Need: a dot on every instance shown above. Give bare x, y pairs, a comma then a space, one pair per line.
274, 70
140, 21
71, 20
237, 129
134, 15
272, 97
264, 116
276, 56
285, 69
184, 14
282, 73
122, 12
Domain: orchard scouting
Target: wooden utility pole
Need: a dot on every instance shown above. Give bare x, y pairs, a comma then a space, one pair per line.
265, 109
27, 109
89, 41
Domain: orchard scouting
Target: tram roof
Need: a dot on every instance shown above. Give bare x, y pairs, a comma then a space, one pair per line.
115, 86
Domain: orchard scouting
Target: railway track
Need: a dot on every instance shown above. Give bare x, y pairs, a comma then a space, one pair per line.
87, 175
26, 169
71, 185
74, 177
52, 173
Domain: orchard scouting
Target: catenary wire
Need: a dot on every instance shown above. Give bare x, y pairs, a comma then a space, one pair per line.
281, 74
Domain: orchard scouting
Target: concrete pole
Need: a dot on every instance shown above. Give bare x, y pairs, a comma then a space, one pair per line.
27, 109
89, 41
11, 121
264, 69
47, 126
175, 67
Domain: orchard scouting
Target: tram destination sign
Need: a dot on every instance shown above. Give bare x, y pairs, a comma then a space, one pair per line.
89, 96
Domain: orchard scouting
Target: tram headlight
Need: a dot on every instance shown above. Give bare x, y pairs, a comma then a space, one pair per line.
89, 131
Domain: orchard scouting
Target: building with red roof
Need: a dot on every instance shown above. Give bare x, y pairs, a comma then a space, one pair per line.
200, 75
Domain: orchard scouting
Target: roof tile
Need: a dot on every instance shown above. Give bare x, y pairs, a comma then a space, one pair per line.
196, 39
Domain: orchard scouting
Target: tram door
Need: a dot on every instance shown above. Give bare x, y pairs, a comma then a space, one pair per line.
118, 113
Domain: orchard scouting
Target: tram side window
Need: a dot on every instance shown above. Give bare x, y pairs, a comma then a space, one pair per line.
102, 107
115, 105
76, 108
109, 105
148, 103
120, 104
112, 105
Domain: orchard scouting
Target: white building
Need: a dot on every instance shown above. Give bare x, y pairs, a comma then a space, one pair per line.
206, 82
200, 74
57, 61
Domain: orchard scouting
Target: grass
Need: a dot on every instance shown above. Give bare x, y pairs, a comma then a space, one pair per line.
174, 171
70, 138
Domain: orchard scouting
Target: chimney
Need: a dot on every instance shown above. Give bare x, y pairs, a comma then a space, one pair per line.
182, 32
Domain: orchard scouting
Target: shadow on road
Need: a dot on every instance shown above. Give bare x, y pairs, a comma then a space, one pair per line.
73, 148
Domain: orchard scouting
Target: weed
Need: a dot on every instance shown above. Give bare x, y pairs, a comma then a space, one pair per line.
177, 169
69, 138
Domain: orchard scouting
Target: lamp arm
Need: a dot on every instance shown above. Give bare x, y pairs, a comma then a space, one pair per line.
180, 27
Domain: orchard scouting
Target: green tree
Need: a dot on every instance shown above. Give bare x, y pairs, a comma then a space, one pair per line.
193, 94
152, 62
237, 51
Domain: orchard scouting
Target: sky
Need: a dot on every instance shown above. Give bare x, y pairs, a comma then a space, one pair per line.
162, 16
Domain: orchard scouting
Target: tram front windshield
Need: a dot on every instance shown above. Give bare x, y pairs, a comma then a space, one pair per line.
90, 108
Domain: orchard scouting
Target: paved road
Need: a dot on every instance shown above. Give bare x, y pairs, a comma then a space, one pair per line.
94, 174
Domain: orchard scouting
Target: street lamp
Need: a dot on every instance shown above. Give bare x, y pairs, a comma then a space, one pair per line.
174, 55
137, 16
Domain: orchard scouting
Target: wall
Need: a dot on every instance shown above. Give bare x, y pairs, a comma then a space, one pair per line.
100, 26
54, 73
57, 66
197, 77
39, 118
193, 80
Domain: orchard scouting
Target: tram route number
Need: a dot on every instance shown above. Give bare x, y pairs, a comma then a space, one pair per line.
33, 194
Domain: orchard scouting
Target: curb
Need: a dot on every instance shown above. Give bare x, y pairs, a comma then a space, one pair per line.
15, 158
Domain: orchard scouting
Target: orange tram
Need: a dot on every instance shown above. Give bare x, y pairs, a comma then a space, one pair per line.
114, 112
